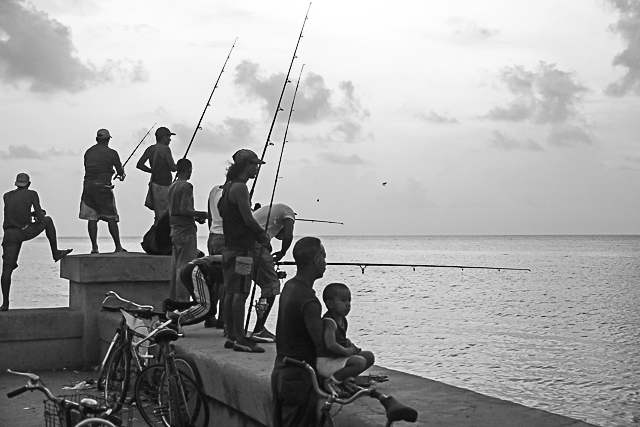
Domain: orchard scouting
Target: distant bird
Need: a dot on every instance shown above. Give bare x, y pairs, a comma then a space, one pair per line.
318, 200
384, 184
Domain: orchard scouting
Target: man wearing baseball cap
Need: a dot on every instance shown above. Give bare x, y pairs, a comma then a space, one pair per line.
97, 201
21, 223
161, 164
241, 232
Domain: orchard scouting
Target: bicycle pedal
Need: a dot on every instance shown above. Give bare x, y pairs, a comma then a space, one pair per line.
161, 411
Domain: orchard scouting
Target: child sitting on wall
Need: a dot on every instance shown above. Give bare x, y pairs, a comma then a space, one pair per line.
339, 359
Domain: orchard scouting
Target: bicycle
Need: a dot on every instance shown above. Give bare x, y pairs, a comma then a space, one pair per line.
126, 356
395, 411
166, 395
63, 411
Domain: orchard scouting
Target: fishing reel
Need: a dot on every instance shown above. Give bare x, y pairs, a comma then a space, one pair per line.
281, 274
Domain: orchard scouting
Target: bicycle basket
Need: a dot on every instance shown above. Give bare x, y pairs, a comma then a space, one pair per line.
55, 416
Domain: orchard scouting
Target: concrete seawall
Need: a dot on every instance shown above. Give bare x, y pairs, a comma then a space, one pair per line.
237, 384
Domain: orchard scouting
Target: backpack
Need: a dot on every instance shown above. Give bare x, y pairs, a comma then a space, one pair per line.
157, 241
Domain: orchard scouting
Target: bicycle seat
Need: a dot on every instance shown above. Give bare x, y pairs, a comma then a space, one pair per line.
166, 335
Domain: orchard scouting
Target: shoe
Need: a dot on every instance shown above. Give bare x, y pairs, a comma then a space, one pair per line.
248, 347
264, 336
229, 344
210, 323
4, 308
61, 254
219, 324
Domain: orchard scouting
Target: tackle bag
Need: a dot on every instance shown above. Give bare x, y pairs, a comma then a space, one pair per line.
157, 241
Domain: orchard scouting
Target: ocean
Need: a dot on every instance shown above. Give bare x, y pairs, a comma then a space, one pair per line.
564, 337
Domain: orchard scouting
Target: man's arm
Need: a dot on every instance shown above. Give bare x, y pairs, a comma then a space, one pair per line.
169, 158
186, 208
118, 165
286, 235
330, 328
313, 322
143, 159
35, 201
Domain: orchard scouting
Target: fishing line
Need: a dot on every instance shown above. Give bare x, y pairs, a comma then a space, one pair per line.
278, 108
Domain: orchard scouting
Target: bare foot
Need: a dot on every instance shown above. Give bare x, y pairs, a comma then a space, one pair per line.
120, 250
61, 254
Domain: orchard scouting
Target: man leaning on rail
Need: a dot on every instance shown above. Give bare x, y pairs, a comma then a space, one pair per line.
21, 223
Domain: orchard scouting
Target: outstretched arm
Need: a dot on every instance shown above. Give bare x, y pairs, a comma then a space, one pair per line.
286, 235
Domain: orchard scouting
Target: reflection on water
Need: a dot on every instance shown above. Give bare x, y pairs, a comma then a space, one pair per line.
564, 337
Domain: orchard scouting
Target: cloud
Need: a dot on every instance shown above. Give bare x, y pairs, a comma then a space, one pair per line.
343, 159
506, 142
544, 95
434, 117
39, 51
25, 152
222, 138
568, 135
628, 26
314, 103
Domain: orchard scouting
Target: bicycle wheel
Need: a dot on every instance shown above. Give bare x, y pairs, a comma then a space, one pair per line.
176, 403
117, 338
116, 382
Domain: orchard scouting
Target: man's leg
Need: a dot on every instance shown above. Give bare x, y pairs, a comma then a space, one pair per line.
50, 231
228, 316
115, 234
239, 301
10, 254
92, 227
187, 251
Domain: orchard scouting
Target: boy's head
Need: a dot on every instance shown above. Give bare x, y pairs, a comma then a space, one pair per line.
337, 298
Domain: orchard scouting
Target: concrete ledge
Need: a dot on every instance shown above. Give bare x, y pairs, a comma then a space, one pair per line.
116, 267
41, 339
240, 391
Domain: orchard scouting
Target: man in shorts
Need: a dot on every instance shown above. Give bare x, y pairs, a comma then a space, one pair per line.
161, 164
24, 219
241, 232
98, 202
299, 334
281, 222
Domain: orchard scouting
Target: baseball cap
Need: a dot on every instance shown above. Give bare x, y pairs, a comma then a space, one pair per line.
22, 180
162, 131
247, 156
103, 133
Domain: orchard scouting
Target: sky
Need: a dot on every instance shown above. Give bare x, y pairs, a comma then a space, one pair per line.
410, 117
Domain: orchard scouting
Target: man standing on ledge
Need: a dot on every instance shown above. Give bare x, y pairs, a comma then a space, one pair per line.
161, 165
21, 223
241, 232
184, 234
298, 335
280, 226
98, 202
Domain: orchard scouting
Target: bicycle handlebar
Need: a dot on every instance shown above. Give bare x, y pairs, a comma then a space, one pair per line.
118, 297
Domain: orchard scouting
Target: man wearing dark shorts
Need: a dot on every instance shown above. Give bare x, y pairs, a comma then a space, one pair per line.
241, 232
161, 164
98, 202
299, 334
19, 227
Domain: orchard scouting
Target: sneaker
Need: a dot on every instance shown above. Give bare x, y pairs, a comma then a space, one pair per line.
248, 347
219, 324
264, 336
210, 323
229, 344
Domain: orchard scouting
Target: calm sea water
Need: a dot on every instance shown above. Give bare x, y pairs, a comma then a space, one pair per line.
564, 337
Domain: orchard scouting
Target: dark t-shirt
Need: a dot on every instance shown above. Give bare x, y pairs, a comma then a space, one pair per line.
17, 207
292, 337
99, 164
181, 198
341, 335
161, 174
238, 236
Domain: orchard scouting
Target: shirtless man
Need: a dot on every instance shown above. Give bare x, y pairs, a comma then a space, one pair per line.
24, 219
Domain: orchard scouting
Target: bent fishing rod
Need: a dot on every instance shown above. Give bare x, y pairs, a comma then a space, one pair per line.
318, 220
278, 108
198, 127
139, 143
273, 193
364, 265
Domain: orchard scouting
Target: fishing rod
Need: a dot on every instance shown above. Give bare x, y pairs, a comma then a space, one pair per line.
273, 193
208, 101
317, 220
364, 265
139, 143
278, 108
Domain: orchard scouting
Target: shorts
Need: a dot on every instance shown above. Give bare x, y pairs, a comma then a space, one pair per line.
327, 366
12, 242
101, 197
236, 268
267, 278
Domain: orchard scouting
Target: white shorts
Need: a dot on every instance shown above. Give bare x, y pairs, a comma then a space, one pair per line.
327, 366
